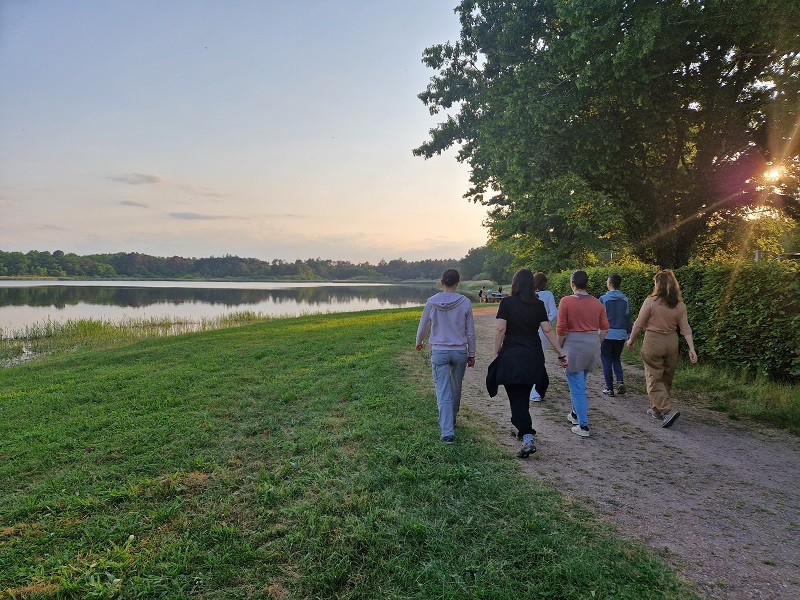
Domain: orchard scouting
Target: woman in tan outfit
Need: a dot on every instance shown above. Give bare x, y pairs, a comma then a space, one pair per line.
662, 315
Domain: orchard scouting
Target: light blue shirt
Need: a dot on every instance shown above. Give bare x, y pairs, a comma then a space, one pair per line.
616, 334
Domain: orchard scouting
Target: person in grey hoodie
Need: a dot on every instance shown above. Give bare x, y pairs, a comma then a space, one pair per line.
448, 318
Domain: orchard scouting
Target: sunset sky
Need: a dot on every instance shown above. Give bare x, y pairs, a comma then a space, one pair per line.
263, 129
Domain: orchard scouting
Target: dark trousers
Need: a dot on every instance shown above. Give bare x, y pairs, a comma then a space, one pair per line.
519, 398
610, 351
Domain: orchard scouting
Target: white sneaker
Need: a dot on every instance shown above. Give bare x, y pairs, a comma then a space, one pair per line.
572, 418
670, 418
535, 397
581, 431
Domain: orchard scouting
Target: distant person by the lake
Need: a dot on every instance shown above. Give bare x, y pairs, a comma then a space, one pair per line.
519, 362
662, 316
447, 316
582, 326
546, 296
618, 311
482, 294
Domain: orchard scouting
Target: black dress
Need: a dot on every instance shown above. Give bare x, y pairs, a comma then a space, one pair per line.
521, 360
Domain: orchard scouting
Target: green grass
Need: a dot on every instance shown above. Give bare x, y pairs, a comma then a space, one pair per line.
736, 393
293, 458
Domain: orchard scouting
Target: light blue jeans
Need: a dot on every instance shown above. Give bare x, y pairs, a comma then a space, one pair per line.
448, 374
577, 392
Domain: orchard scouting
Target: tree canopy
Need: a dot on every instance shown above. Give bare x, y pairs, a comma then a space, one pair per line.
608, 125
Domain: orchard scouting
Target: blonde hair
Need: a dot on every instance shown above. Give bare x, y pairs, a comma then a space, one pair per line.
667, 288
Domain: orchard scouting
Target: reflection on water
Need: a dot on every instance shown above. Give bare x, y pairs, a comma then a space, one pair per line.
25, 303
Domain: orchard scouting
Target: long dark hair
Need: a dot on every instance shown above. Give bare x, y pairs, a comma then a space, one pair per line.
522, 285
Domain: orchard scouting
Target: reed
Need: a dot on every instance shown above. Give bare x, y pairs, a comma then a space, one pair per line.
52, 337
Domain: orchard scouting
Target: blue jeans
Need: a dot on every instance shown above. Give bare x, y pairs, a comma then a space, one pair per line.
610, 351
448, 374
577, 392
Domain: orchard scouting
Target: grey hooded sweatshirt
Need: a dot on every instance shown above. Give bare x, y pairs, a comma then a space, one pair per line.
448, 316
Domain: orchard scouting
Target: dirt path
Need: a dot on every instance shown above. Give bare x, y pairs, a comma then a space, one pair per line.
716, 498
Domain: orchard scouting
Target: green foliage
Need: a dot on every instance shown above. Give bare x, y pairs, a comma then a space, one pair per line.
556, 226
499, 263
637, 282
747, 315
743, 315
471, 266
669, 112
493, 261
296, 458
738, 236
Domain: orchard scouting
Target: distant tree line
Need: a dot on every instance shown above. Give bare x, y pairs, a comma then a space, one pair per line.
143, 266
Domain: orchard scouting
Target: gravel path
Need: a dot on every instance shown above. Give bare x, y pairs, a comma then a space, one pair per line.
718, 499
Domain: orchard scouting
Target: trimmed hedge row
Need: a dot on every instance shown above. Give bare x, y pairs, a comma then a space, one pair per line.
744, 315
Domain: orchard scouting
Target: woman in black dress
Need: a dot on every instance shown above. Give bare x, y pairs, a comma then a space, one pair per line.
520, 360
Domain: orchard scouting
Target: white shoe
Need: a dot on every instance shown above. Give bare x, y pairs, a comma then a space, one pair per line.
535, 397
581, 431
572, 418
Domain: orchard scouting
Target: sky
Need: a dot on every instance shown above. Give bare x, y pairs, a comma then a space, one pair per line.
258, 128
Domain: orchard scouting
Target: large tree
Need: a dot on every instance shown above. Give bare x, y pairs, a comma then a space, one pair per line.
664, 113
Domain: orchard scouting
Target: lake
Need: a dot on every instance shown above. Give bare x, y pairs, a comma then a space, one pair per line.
24, 303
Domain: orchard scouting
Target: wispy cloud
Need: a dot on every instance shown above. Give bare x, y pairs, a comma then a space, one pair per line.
199, 191
190, 216
132, 203
149, 179
47, 227
138, 179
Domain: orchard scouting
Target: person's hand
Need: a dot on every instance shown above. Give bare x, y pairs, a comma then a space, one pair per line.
563, 361
419, 347
629, 344
692, 356
470, 362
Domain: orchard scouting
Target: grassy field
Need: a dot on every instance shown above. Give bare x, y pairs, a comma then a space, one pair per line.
294, 458
735, 393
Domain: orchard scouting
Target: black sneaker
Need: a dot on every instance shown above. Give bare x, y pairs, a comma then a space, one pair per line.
609, 392
526, 450
621, 388
448, 439
670, 418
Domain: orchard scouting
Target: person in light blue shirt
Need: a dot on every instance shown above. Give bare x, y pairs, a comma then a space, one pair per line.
618, 310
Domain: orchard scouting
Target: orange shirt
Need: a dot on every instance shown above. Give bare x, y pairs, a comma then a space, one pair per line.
581, 313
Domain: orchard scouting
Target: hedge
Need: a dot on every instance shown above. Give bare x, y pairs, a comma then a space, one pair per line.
744, 315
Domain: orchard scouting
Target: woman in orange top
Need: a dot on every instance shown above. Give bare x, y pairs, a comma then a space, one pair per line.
662, 315
582, 326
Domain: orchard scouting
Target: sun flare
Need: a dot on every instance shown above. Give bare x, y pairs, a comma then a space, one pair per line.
773, 174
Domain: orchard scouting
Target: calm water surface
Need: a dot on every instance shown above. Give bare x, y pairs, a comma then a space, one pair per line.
24, 303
